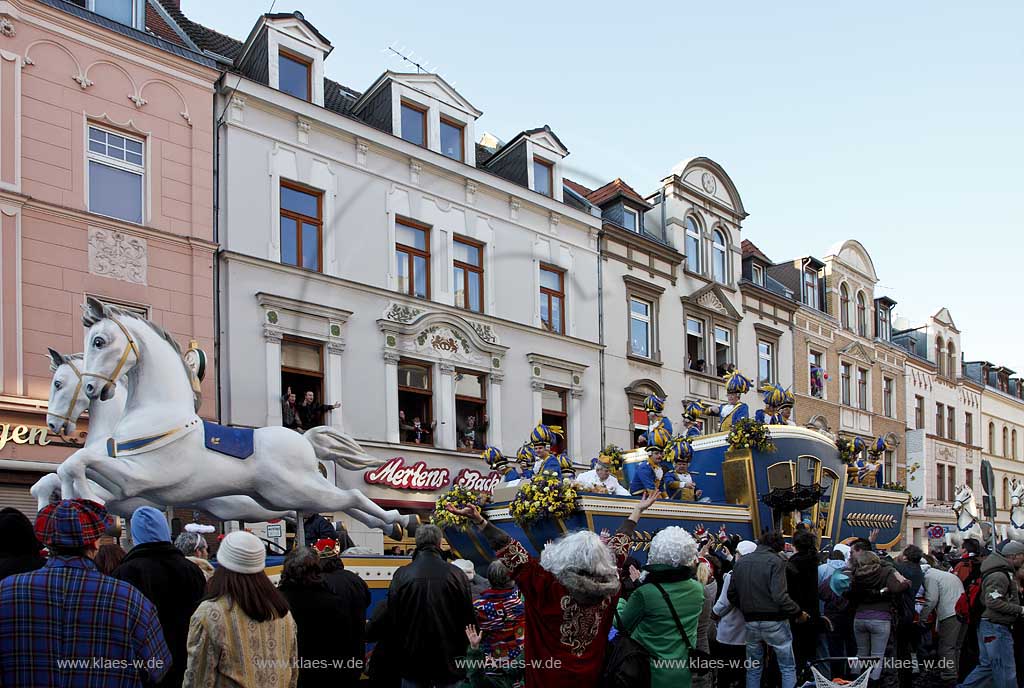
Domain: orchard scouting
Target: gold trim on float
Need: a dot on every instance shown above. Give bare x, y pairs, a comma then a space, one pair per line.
876, 495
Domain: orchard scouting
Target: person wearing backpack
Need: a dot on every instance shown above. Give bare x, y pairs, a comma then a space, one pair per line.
1000, 595
874, 588
663, 612
968, 570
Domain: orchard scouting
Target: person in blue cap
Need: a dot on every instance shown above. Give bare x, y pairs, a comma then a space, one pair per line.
541, 439
655, 407
736, 385
774, 396
649, 474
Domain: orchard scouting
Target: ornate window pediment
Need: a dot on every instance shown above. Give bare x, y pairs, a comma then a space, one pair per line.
440, 337
712, 298
858, 351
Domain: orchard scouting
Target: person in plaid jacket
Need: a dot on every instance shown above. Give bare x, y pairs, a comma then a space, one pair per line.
67, 624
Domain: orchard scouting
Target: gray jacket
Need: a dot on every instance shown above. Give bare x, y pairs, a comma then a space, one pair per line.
758, 587
999, 592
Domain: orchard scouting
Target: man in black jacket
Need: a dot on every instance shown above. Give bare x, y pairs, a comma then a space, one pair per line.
170, 581
758, 588
430, 606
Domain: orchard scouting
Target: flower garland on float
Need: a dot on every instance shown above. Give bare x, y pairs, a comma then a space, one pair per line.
747, 433
545, 496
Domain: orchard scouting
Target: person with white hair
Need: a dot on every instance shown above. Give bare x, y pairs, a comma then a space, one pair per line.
193, 545
663, 613
570, 596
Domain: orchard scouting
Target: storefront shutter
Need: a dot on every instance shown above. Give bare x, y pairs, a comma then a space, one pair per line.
19, 497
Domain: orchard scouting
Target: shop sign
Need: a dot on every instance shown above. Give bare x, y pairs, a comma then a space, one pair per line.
476, 481
401, 477
22, 434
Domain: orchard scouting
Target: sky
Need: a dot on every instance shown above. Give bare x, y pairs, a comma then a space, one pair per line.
899, 124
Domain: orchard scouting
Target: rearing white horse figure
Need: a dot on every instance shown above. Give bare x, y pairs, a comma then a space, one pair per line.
160, 445
966, 510
1016, 529
66, 404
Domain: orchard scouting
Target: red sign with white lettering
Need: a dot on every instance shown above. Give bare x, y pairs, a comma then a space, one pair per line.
401, 477
421, 478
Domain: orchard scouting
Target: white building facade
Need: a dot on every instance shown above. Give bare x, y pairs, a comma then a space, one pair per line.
944, 420
373, 254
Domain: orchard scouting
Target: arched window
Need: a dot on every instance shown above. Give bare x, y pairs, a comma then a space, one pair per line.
1006, 493
718, 256
1013, 444
992, 438
862, 315
940, 357
844, 305
1006, 442
951, 367
692, 245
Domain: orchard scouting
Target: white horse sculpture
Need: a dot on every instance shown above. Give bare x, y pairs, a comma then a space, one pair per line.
966, 510
66, 404
159, 442
1016, 529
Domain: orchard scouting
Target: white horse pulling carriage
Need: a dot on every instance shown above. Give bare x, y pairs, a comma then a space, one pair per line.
152, 448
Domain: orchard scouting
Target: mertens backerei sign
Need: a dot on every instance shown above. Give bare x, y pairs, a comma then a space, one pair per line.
22, 434
420, 477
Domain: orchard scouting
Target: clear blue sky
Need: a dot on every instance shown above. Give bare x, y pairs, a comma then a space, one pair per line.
898, 124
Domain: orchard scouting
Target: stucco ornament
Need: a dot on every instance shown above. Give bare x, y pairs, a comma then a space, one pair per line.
402, 313
160, 446
707, 180
7, 28
117, 255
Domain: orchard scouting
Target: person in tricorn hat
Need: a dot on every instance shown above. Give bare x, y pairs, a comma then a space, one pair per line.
109, 618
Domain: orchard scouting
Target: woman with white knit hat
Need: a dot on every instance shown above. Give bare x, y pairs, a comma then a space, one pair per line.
242, 635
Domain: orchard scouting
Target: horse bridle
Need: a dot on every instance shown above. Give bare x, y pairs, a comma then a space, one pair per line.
74, 397
129, 348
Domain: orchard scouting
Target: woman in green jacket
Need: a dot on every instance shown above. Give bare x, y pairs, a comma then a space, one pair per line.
646, 616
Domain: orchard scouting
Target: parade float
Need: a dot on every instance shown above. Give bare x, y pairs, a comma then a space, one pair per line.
801, 476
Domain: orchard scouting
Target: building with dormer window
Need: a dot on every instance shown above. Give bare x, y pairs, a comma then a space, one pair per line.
465, 277
848, 373
944, 421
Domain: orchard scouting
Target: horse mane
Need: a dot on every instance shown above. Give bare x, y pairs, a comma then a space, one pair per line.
108, 310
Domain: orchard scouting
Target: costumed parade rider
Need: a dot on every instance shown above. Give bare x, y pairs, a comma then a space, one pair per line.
498, 462
541, 439
649, 474
655, 407
526, 458
601, 474
678, 483
692, 412
869, 471
774, 396
736, 385
786, 410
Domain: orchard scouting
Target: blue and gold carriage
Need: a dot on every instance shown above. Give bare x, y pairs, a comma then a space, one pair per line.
747, 491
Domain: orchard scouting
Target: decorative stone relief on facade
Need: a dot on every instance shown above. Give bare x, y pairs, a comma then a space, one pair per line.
361, 149
711, 301
137, 100
402, 313
83, 81
470, 192
553, 220
415, 167
513, 209
485, 332
7, 28
116, 255
707, 180
302, 129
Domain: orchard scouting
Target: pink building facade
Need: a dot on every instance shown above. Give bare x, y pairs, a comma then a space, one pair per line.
106, 190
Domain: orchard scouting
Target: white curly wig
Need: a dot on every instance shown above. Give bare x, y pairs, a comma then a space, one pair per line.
581, 551
673, 546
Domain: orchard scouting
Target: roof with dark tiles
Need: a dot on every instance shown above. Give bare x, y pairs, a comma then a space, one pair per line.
156, 25
749, 249
577, 187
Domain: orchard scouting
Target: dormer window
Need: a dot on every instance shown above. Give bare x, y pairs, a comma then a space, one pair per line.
630, 219
543, 176
121, 11
294, 74
414, 123
453, 139
811, 288
757, 275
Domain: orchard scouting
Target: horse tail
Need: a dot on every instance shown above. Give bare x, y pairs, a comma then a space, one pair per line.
331, 445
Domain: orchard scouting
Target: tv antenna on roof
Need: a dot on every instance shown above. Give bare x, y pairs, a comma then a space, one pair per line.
407, 55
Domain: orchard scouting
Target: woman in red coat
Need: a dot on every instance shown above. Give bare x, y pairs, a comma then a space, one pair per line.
570, 596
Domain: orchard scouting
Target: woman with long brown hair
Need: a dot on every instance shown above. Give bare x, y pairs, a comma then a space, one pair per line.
242, 634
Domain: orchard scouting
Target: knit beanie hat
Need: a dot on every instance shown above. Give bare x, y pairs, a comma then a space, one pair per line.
242, 552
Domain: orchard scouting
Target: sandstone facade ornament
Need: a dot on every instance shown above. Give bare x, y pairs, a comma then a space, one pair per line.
117, 255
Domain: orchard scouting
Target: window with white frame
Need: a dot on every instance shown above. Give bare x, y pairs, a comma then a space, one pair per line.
692, 245
630, 219
695, 345
723, 349
640, 327
765, 362
121, 11
117, 174
757, 275
811, 288
718, 255
862, 389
